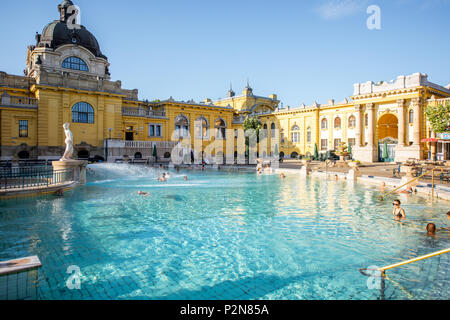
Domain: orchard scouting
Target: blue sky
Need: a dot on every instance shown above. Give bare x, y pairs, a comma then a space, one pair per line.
304, 51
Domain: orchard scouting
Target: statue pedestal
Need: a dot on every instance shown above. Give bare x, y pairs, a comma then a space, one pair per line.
78, 167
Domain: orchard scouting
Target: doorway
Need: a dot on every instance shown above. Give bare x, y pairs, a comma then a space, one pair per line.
129, 136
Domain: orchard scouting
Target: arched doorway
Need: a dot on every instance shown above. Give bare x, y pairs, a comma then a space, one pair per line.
23, 155
387, 133
83, 154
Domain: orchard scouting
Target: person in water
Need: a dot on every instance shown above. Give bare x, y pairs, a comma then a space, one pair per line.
144, 194
282, 176
163, 178
431, 229
408, 190
398, 212
383, 187
448, 215
185, 178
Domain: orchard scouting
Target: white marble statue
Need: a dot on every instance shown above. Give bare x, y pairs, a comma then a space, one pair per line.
69, 143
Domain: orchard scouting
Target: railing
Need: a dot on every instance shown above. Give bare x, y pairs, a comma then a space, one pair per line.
24, 171
414, 180
438, 102
139, 112
43, 179
7, 100
139, 144
431, 255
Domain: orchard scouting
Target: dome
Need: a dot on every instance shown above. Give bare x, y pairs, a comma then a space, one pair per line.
58, 33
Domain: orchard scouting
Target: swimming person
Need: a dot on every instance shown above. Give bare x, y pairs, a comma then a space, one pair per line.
383, 187
448, 215
431, 229
398, 212
282, 176
336, 177
408, 190
185, 178
163, 178
145, 194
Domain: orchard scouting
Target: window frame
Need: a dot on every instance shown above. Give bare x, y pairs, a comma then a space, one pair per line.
89, 113
295, 134
222, 129
351, 122
323, 147
155, 126
411, 116
182, 130
322, 122
336, 145
22, 124
337, 124
75, 63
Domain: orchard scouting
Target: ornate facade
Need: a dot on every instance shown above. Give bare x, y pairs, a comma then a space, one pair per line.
67, 79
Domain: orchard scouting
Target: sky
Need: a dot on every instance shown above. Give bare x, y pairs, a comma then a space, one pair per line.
303, 51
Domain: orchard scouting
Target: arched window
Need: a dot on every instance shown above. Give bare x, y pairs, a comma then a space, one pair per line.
167, 155
411, 116
265, 126
75, 63
295, 134
221, 128
294, 155
351, 122
138, 155
272, 130
182, 126
308, 135
83, 112
324, 124
337, 123
201, 128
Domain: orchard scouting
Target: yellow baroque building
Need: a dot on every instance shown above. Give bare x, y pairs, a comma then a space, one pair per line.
67, 79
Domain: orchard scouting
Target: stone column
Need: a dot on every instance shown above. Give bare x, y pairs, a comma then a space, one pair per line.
359, 117
415, 103
433, 147
401, 123
371, 130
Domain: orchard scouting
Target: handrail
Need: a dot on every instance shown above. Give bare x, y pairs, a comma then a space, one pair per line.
413, 180
431, 255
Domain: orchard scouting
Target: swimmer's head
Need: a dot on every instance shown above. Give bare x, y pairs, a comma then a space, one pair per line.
431, 229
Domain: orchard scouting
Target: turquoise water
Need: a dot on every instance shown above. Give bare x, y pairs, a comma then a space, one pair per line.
224, 236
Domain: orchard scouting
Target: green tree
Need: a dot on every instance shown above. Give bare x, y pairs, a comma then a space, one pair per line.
251, 123
316, 152
439, 117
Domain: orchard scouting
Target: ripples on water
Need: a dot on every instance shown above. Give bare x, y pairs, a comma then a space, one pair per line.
224, 236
